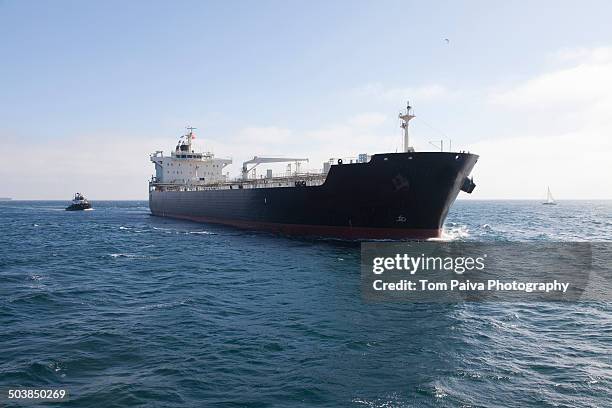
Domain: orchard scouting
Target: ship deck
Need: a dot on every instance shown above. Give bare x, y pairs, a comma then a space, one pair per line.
294, 180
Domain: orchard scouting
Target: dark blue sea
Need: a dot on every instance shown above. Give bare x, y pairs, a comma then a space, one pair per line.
124, 309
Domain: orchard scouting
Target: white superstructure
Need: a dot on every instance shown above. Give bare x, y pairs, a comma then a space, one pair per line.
79, 199
187, 167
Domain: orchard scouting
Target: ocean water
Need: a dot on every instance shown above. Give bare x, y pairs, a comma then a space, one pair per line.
124, 309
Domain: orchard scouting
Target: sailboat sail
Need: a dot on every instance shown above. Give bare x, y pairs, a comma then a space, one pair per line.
549, 197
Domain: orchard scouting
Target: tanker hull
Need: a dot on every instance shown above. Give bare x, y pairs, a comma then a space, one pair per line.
393, 196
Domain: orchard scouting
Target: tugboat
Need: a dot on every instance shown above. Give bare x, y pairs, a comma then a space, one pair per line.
79, 203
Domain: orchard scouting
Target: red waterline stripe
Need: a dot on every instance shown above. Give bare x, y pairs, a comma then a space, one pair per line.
352, 233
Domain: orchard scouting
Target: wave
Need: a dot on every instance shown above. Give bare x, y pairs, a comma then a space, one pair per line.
165, 230
125, 255
166, 305
454, 232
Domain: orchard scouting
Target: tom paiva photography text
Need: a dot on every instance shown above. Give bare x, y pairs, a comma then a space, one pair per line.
458, 265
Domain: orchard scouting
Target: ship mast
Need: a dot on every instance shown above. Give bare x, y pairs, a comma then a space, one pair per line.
405, 117
190, 136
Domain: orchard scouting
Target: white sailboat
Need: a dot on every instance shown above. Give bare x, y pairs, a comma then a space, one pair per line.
549, 198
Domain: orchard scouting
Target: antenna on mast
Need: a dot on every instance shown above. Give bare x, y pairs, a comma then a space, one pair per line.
406, 117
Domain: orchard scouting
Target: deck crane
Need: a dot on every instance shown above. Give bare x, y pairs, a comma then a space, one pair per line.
259, 160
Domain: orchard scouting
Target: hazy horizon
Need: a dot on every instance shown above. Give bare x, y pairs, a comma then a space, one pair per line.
90, 89
460, 198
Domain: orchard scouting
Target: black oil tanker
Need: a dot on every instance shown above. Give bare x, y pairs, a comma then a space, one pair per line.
386, 196
393, 196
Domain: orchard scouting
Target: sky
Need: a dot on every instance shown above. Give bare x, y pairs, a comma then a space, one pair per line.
89, 89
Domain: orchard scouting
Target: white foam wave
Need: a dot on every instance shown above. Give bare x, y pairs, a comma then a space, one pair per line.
453, 232
166, 305
164, 230
124, 255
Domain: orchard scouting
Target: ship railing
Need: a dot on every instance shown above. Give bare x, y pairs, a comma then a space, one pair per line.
310, 179
286, 174
280, 176
293, 180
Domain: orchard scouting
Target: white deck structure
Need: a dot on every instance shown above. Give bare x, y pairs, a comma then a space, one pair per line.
188, 170
185, 166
